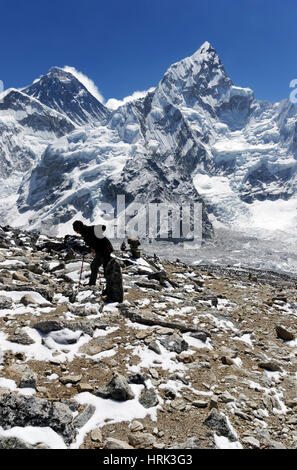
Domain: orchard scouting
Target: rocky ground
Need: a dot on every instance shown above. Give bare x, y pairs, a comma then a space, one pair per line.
195, 357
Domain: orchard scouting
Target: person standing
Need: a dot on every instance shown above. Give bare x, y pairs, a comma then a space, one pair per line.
99, 245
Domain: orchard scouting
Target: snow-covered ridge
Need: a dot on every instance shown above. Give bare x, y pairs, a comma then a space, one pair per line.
196, 136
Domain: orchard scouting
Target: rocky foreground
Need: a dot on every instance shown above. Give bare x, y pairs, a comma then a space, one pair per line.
195, 357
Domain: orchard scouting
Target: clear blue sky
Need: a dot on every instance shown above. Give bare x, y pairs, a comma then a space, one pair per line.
127, 45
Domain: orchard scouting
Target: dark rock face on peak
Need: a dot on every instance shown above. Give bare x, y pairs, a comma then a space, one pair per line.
62, 91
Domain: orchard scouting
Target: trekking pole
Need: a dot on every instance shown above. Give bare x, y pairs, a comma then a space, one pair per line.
81, 270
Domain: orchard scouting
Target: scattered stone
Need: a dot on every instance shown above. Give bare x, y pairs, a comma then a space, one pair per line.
272, 444
136, 426
141, 440
21, 337
137, 378
111, 443
291, 403
170, 393
148, 398
19, 277
174, 343
5, 302
164, 331
270, 366
218, 423
149, 285
118, 389
187, 357
227, 360
84, 387
49, 325
178, 404
70, 379
153, 346
17, 443
142, 334
284, 333
226, 397
191, 443
96, 435
200, 403
80, 420
214, 402
252, 442
19, 410
28, 380
27, 299
201, 336
96, 346
154, 373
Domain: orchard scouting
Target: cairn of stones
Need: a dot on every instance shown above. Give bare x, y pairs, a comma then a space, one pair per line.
134, 247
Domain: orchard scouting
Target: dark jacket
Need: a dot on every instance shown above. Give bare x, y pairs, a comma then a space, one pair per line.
102, 246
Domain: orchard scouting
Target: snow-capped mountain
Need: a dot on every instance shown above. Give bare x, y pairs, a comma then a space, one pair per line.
26, 128
194, 137
62, 91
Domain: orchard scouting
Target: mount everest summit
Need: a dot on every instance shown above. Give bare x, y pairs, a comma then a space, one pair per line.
195, 137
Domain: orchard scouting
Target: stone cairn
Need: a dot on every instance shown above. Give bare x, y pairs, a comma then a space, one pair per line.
134, 247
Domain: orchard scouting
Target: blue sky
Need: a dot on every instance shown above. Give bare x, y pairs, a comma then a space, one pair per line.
127, 45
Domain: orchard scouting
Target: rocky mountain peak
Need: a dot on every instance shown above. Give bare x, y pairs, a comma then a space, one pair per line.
62, 91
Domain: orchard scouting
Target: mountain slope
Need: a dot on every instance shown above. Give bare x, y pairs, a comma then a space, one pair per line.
196, 137
61, 91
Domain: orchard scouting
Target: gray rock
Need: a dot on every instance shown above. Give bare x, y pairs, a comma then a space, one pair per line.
284, 333
96, 346
272, 444
118, 389
21, 337
29, 379
201, 336
148, 398
80, 420
70, 379
219, 424
200, 403
141, 440
170, 393
96, 435
149, 284
251, 441
17, 443
226, 397
112, 443
153, 346
136, 426
174, 343
48, 326
5, 302
160, 276
19, 410
146, 317
270, 366
27, 300
191, 443
137, 378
